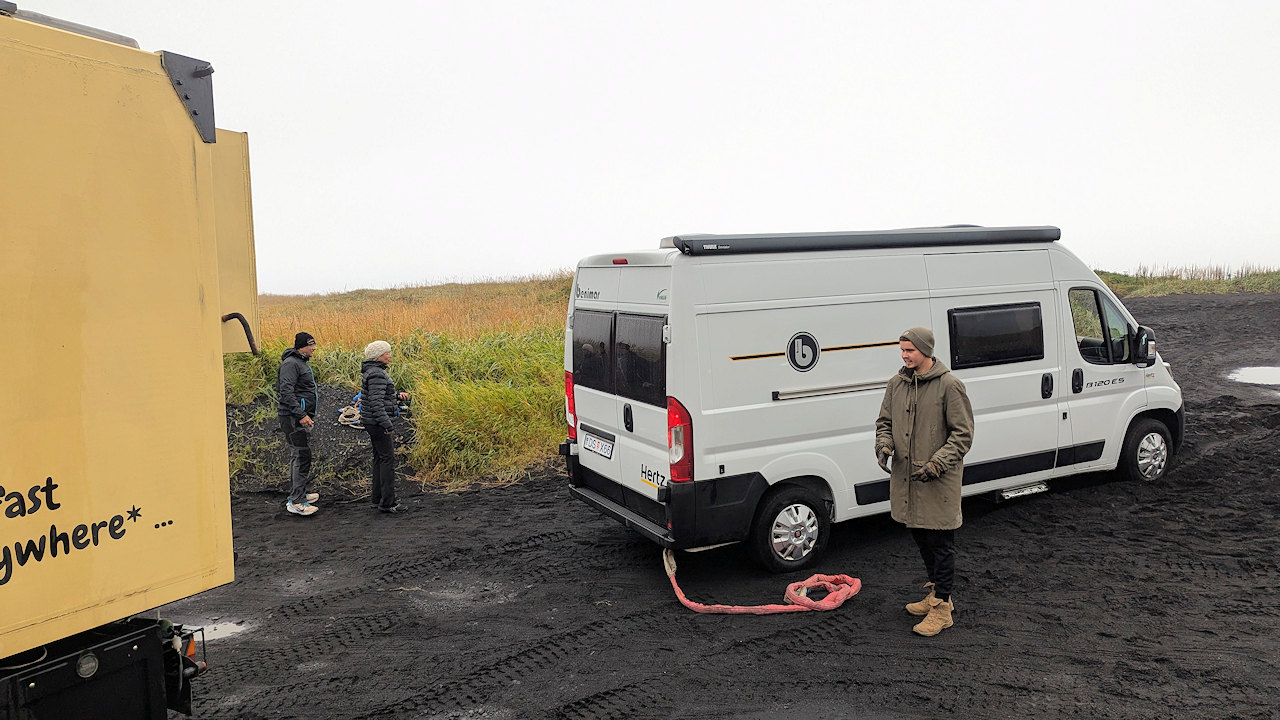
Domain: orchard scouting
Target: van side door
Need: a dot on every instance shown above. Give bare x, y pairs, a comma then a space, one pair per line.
1005, 348
1105, 387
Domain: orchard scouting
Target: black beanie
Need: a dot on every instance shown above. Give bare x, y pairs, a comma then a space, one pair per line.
302, 340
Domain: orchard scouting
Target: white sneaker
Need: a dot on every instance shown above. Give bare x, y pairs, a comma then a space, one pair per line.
302, 509
312, 497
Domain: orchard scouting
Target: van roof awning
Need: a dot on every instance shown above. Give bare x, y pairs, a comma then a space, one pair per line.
907, 237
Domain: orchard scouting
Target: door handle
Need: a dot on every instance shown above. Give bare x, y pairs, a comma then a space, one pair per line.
627, 420
1046, 385
1077, 380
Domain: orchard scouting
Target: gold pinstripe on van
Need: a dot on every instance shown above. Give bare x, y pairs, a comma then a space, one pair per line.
756, 357
833, 348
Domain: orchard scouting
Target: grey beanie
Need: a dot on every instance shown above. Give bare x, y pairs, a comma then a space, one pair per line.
375, 349
921, 337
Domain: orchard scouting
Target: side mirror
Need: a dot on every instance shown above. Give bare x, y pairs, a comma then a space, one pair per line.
1144, 347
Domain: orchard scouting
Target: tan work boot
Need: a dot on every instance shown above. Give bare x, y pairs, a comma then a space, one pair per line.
922, 608
938, 619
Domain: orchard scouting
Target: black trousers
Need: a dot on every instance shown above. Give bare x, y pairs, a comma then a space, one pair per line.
299, 439
938, 550
384, 467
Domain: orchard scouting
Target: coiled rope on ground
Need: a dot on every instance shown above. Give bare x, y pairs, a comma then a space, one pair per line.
350, 415
839, 588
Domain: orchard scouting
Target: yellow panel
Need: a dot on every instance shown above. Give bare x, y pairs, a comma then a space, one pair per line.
237, 267
113, 451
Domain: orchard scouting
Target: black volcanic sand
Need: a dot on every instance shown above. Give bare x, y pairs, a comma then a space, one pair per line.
1101, 599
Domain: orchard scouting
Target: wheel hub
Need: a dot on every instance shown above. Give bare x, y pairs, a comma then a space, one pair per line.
795, 532
1153, 454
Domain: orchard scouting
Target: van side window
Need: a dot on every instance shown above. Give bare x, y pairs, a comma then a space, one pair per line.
640, 359
592, 357
1101, 343
1087, 317
1118, 332
995, 335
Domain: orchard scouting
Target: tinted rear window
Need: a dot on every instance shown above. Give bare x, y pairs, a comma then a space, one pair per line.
995, 335
592, 357
640, 359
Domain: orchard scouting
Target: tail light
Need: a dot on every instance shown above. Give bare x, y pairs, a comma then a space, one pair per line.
570, 412
679, 441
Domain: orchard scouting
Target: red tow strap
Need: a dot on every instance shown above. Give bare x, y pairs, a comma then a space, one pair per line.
839, 588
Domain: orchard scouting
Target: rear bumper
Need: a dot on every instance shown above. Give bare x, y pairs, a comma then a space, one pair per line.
631, 519
686, 515
138, 674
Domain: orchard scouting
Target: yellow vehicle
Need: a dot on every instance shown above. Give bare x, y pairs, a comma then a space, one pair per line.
126, 272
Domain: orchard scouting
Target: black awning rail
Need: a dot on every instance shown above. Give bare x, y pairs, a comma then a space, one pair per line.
905, 238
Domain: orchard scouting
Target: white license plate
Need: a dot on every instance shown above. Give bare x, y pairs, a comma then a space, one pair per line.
603, 448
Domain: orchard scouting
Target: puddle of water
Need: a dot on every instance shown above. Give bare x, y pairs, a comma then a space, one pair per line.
1257, 375
217, 631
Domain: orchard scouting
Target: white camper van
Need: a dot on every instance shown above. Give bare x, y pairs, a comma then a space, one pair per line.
724, 388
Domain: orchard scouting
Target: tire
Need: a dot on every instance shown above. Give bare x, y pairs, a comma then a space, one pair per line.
790, 530
1147, 451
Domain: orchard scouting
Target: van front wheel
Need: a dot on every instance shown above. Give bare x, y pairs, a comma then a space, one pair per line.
790, 530
1146, 451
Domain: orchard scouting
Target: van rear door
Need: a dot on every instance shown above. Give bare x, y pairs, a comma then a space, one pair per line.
640, 381
619, 377
590, 355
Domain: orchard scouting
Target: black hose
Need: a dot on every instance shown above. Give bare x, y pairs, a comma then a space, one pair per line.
253, 346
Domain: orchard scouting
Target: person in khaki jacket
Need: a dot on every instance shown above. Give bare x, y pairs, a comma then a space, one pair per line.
926, 427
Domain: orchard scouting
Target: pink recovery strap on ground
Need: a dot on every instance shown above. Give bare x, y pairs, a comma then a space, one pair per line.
839, 588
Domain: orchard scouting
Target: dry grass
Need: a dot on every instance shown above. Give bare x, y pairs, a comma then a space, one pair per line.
353, 319
1203, 272
1192, 279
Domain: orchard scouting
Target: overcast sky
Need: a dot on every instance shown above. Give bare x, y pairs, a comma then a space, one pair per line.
407, 142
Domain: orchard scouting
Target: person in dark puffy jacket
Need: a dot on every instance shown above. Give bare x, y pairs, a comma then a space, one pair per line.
379, 403
297, 400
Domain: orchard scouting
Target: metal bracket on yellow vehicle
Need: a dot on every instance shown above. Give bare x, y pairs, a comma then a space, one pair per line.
193, 81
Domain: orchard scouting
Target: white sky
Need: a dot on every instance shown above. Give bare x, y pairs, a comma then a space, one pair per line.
408, 142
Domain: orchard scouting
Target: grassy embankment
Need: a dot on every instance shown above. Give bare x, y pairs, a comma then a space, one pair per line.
1152, 282
484, 360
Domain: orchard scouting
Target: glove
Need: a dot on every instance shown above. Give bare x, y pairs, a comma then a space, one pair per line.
882, 458
927, 473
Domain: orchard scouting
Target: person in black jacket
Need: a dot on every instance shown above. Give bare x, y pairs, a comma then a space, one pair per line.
379, 403
297, 400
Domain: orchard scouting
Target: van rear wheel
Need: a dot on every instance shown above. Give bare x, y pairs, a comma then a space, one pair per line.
1146, 451
790, 530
